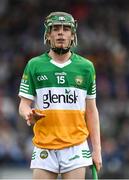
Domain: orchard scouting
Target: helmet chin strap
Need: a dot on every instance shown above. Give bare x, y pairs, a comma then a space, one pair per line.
60, 51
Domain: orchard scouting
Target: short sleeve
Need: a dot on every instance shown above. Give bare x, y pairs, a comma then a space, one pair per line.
27, 87
91, 92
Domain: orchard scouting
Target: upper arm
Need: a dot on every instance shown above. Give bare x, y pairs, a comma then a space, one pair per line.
91, 110
90, 105
91, 90
27, 85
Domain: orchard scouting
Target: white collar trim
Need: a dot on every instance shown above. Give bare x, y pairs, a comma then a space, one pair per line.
60, 65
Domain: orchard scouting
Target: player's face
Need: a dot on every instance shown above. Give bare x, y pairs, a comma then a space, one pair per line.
60, 36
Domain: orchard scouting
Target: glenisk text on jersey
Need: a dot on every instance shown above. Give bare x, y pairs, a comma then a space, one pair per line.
68, 97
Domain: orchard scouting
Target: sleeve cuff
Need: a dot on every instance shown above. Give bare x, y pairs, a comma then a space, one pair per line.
28, 96
91, 96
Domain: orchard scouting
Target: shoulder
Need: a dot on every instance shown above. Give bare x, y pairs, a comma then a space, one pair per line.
37, 63
83, 61
38, 59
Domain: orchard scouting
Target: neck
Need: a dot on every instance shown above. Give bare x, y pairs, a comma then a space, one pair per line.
59, 58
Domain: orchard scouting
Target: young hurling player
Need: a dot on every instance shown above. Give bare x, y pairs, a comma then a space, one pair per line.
62, 85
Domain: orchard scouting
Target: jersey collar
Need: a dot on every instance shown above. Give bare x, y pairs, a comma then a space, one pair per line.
60, 65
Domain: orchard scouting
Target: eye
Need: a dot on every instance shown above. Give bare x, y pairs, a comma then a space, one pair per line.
67, 28
55, 28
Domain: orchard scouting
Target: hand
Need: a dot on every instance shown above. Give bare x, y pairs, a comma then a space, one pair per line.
33, 117
97, 159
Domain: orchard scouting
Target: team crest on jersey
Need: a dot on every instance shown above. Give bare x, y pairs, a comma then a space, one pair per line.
79, 80
44, 154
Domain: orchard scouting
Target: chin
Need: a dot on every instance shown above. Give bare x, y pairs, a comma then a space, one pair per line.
61, 46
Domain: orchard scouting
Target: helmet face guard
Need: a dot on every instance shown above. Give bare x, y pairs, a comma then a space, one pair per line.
60, 18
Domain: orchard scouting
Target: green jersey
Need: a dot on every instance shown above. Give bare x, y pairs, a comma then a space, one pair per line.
62, 89
43, 73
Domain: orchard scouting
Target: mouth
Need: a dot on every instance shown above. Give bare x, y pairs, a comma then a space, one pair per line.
60, 40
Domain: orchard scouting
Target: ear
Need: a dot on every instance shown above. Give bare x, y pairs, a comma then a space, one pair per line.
48, 36
72, 37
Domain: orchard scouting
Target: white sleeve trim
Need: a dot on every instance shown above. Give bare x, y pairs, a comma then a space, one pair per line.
91, 96
28, 96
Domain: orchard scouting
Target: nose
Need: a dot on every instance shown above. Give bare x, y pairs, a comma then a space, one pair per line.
60, 31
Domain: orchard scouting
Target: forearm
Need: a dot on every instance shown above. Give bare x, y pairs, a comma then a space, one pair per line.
25, 107
93, 125
30, 115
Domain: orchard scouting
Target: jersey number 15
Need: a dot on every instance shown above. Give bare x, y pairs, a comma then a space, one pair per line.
60, 79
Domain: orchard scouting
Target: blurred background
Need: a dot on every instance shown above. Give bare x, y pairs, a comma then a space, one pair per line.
103, 37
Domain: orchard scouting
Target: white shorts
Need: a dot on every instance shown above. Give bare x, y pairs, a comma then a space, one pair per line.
63, 160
